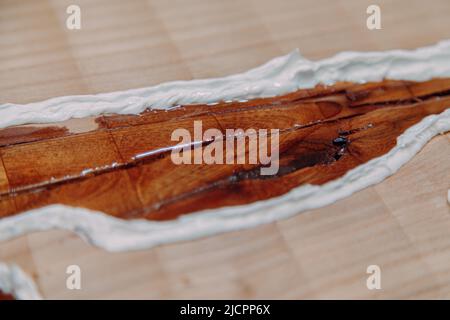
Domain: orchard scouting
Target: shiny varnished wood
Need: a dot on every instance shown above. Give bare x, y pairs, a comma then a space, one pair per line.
324, 132
6, 296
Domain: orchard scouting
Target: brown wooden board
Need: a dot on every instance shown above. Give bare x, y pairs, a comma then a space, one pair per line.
401, 224
125, 167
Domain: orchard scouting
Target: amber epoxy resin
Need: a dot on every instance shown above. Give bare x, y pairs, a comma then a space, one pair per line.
124, 168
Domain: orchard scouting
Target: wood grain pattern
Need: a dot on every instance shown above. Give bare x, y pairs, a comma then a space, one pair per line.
400, 224
125, 167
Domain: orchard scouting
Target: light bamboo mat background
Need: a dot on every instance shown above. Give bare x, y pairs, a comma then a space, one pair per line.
402, 224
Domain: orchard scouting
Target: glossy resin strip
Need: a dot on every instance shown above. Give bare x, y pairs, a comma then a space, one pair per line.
125, 168
334, 140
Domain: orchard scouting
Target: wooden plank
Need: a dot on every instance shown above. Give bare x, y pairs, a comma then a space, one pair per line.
131, 172
401, 224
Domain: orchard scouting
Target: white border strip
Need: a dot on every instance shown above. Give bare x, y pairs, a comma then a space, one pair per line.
16, 282
280, 75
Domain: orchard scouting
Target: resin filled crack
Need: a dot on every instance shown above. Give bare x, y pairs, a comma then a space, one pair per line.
124, 167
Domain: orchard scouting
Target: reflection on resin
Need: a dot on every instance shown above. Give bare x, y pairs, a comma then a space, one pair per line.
124, 167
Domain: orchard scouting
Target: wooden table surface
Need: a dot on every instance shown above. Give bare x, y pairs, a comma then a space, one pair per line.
401, 224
